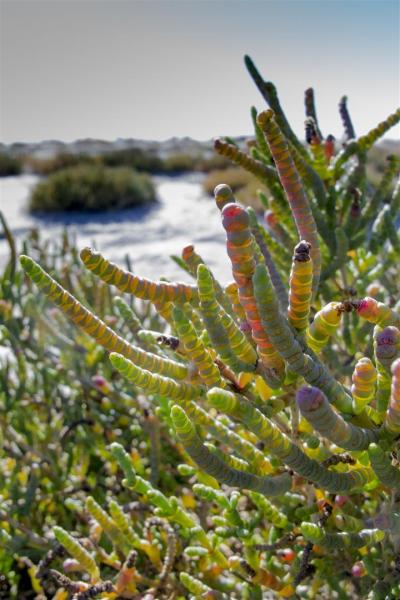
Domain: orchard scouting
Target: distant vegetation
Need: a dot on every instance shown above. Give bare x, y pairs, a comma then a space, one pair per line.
9, 165
63, 160
377, 162
109, 180
93, 188
135, 158
243, 184
156, 158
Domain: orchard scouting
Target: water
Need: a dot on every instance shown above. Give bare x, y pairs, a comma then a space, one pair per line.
183, 215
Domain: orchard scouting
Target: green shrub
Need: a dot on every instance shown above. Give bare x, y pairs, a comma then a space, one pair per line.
135, 158
92, 188
180, 163
9, 165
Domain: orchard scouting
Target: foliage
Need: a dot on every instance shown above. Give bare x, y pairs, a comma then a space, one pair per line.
263, 461
146, 161
180, 163
92, 188
242, 183
9, 165
62, 160
61, 405
134, 158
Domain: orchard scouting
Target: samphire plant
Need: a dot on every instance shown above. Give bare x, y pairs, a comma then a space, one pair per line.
281, 388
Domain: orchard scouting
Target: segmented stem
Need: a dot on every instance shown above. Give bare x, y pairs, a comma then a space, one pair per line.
232, 290
237, 352
269, 93
107, 524
223, 195
153, 383
277, 228
325, 323
276, 279
240, 250
384, 470
193, 260
264, 173
376, 312
292, 185
341, 540
271, 512
156, 291
314, 407
309, 102
211, 464
282, 447
387, 349
289, 348
94, 327
300, 284
74, 548
195, 349
346, 120
363, 388
392, 421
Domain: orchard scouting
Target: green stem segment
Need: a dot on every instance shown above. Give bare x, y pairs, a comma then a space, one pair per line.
283, 339
211, 464
227, 339
156, 291
293, 187
96, 328
383, 469
340, 541
392, 421
314, 407
276, 279
282, 447
195, 348
240, 246
153, 383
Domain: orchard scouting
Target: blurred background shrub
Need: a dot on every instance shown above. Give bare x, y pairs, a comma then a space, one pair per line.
9, 165
244, 185
92, 188
62, 160
133, 157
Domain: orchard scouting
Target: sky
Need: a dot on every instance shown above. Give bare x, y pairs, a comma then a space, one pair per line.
155, 69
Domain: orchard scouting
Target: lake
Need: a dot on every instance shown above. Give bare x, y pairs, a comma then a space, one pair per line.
184, 214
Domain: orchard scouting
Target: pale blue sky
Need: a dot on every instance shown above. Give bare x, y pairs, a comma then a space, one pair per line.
153, 69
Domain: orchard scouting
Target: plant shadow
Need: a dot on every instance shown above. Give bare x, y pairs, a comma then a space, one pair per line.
82, 217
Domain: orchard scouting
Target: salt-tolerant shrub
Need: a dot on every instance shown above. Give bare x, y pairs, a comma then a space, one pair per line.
137, 159
92, 188
279, 392
9, 165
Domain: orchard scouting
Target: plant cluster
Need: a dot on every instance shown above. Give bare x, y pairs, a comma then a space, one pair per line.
92, 188
278, 395
61, 405
9, 165
147, 161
